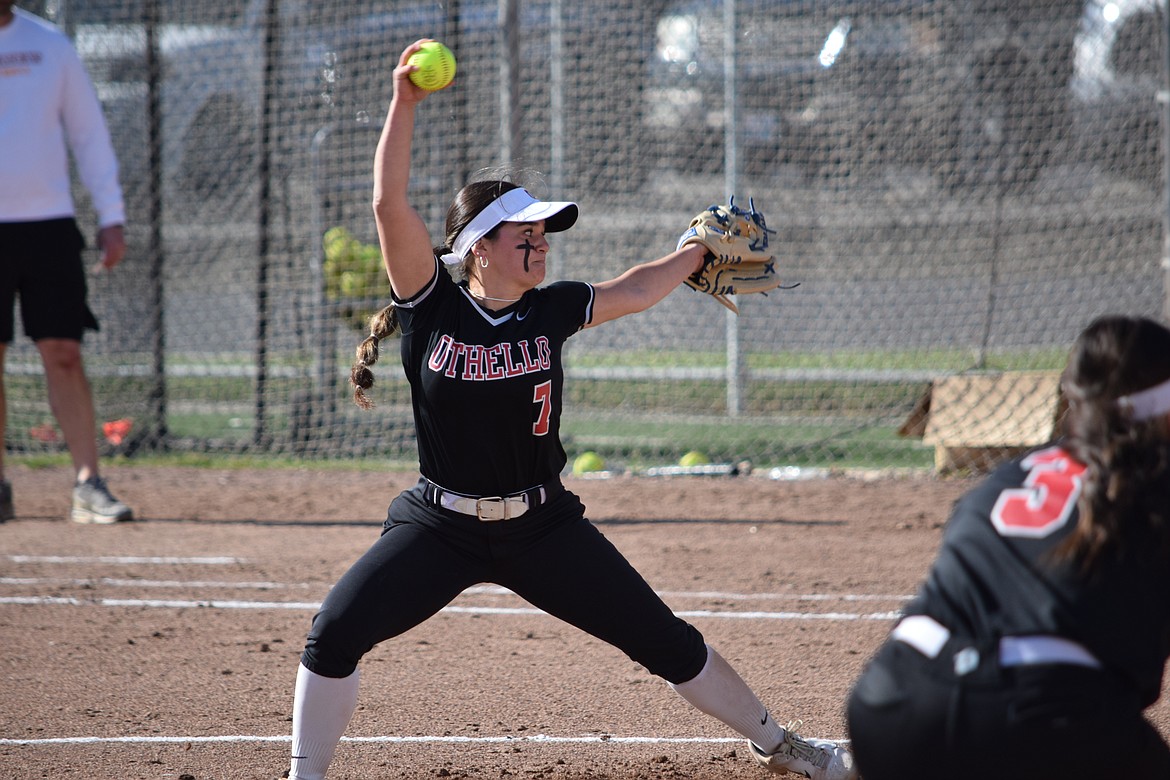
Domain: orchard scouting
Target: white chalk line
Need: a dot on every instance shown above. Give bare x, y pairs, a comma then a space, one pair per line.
478, 590
537, 738
220, 560
314, 606
163, 560
90, 582
223, 560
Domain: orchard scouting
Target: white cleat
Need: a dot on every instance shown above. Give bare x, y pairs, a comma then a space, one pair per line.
816, 759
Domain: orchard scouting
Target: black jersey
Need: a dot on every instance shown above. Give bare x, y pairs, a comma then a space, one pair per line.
995, 574
486, 386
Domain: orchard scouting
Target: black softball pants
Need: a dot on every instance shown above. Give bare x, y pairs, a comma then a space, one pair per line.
551, 556
913, 718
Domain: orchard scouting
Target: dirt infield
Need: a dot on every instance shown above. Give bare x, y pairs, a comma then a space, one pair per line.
167, 648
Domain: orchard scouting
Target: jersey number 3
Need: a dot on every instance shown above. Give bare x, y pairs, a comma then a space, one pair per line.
1046, 500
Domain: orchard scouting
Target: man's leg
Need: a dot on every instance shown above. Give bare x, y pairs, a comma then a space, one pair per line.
7, 512
3, 408
71, 402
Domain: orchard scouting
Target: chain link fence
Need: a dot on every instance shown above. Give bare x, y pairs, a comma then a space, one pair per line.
957, 187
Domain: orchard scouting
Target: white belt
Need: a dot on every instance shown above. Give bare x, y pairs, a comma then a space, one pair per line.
489, 508
927, 636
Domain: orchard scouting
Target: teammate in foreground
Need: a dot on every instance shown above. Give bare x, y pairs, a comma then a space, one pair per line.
1043, 628
48, 108
483, 357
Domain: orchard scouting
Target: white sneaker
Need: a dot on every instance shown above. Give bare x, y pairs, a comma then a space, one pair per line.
94, 503
817, 759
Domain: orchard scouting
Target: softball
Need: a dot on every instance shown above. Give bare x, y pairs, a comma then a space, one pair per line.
693, 458
588, 462
436, 66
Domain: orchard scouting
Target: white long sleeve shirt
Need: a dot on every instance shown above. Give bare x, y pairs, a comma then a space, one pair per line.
48, 108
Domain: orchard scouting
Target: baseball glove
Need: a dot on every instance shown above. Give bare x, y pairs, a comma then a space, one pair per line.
738, 259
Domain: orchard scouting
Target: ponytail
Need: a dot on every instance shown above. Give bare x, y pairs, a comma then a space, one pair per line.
382, 325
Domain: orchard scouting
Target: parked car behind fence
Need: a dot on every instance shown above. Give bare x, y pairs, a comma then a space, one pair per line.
318, 65
1117, 76
975, 92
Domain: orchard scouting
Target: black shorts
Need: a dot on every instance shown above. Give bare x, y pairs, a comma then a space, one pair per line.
41, 263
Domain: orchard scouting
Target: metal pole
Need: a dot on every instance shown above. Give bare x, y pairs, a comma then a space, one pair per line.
1164, 99
992, 276
556, 89
271, 55
322, 400
459, 171
735, 374
509, 80
157, 438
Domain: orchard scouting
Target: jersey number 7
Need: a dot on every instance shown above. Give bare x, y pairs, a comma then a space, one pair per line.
542, 395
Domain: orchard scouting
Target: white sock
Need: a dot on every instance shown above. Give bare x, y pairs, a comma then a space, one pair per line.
720, 692
322, 707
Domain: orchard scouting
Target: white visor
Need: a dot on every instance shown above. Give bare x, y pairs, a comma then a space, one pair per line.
1149, 403
513, 206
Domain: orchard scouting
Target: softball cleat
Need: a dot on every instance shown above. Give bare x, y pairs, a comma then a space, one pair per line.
816, 759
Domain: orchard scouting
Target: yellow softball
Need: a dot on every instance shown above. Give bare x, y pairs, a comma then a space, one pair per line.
588, 462
436, 66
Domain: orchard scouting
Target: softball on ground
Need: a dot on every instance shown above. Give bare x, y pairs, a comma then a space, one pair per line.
693, 458
436, 66
587, 462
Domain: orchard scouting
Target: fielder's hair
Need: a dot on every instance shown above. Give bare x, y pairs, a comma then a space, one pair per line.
382, 325
469, 201
1125, 502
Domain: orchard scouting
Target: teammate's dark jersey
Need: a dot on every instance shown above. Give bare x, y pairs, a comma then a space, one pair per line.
995, 574
487, 386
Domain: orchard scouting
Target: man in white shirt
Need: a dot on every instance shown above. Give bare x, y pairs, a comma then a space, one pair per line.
48, 109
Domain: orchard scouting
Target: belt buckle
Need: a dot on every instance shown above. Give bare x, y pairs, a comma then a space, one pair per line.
493, 504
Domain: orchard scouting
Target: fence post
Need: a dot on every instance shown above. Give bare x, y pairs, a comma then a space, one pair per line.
157, 436
320, 401
556, 89
1164, 100
460, 168
509, 80
735, 373
268, 104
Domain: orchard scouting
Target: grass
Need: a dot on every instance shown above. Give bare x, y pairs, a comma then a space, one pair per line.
941, 360
764, 442
225, 461
211, 406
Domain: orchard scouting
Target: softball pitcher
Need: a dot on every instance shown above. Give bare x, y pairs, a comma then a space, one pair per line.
1043, 628
481, 347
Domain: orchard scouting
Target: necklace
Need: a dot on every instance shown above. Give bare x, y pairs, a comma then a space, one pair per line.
490, 298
